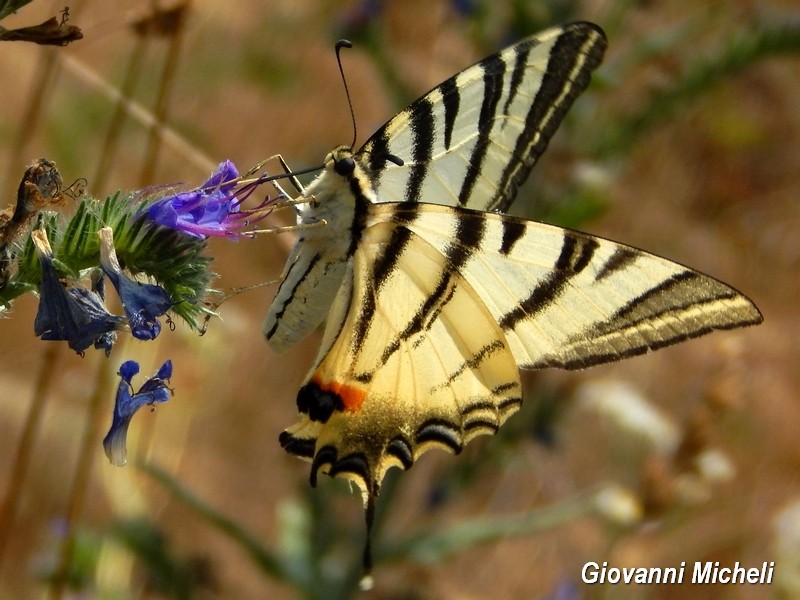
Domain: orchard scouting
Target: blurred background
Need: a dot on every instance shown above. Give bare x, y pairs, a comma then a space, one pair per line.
687, 144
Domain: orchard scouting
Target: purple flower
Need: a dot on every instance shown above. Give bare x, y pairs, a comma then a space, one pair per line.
76, 315
210, 210
128, 402
143, 302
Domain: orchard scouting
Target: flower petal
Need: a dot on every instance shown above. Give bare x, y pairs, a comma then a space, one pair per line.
76, 315
210, 210
154, 390
225, 176
128, 370
143, 302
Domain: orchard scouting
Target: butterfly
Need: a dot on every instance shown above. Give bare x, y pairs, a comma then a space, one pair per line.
433, 299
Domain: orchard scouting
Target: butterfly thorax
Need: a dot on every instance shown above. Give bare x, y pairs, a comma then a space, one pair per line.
331, 222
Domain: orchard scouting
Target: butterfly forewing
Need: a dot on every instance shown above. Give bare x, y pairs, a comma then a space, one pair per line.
468, 142
474, 138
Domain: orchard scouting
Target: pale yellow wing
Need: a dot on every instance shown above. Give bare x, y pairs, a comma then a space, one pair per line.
411, 359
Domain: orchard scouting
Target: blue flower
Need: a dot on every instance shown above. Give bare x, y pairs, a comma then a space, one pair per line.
143, 302
210, 210
76, 315
128, 402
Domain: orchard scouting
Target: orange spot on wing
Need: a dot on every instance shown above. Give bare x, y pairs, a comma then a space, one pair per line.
352, 397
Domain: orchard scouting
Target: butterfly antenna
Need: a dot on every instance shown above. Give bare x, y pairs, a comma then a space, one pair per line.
339, 45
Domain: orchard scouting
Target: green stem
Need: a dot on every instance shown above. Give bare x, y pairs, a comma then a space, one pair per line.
429, 547
269, 562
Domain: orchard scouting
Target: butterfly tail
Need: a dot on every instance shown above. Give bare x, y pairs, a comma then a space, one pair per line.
366, 581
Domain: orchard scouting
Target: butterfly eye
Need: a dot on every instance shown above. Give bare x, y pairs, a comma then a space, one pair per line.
344, 166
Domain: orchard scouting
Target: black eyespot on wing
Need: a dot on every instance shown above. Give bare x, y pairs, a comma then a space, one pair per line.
317, 403
344, 166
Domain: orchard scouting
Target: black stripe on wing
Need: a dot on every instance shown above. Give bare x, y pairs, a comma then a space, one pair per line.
469, 232
618, 261
451, 100
424, 318
576, 253
681, 292
302, 447
473, 362
513, 231
420, 115
402, 450
481, 417
309, 266
662, 297
383, 267
378, 150
577, 52
355, 464
359, 215
441, 432
493, 69
686, 305
511, 404
521, 53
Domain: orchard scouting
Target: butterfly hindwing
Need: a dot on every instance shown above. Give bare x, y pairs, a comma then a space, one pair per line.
417, 361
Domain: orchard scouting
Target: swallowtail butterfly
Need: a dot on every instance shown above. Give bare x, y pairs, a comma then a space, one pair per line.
433, 299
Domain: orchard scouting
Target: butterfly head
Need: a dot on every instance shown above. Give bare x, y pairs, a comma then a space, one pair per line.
341, 161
